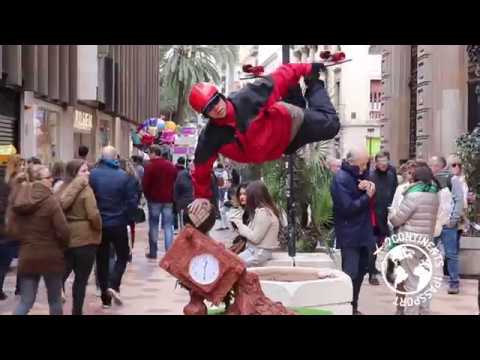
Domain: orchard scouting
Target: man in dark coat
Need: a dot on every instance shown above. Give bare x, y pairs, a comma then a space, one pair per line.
386, 183
351, 195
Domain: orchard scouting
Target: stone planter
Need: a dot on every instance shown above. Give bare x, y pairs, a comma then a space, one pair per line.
307, 287
469, 256
313, 260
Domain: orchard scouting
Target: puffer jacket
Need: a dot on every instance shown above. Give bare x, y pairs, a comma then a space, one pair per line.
42, 229
418, 211
80, 207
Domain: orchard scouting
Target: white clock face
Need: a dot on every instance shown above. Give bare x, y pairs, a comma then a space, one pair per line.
204, 269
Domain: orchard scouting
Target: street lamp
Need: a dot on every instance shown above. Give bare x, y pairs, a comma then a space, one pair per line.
290, 165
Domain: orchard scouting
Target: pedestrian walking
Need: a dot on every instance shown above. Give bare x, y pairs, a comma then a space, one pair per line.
221, 178
15, 175
417, 214
58, 173
449, 235
352, 197
129, 168
158, 182
85, 224
262, 230
116, 200
44, 236
385, 184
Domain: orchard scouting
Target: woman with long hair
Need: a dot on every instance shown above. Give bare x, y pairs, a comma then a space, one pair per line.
58, 173
263, 227
14, 176
417, 214
85, 224
129, 168
42, 229
237, 204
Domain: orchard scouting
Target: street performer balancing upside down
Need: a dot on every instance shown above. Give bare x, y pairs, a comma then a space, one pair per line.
261, 122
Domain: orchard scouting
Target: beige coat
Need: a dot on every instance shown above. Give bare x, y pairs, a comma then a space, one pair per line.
80, 206
417, 213
262, 231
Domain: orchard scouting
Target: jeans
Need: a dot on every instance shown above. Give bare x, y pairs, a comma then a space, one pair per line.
29, 289
154, 212
254, 256
118, 237
79, 260
7, 252
449, 238
355, 264
111, 265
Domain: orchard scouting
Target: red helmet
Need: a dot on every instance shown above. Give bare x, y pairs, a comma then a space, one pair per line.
200, 95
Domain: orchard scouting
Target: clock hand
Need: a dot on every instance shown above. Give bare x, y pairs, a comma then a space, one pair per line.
204, 270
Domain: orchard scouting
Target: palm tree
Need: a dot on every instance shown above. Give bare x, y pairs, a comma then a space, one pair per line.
184, 65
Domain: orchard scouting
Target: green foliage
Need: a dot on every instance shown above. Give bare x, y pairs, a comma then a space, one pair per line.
468, 146
311, 191
184, 65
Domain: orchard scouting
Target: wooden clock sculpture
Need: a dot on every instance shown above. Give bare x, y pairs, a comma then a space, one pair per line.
210, 271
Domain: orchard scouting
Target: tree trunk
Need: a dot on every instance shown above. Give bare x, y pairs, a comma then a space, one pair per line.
180, 106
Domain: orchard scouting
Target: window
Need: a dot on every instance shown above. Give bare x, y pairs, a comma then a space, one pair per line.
46, 135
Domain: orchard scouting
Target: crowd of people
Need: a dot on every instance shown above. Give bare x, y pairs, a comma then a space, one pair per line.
76, 217
372, 202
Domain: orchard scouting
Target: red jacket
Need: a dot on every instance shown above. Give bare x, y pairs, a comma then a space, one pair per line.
158, 181
256, 128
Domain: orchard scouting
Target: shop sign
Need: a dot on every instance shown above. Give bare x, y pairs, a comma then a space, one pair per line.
83, 121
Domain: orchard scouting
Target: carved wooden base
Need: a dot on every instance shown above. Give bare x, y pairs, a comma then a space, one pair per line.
196, 305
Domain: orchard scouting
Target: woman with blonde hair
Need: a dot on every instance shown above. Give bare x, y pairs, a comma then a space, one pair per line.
85, 223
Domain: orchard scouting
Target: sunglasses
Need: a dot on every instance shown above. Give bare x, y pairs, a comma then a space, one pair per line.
211, 104
455, 165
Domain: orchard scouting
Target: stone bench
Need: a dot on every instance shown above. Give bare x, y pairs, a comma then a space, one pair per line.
314, 260
469, 256
307, 287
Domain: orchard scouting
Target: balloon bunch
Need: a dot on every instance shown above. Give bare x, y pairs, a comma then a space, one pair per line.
153, 131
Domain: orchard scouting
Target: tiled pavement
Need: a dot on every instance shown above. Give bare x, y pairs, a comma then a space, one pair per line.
148, 290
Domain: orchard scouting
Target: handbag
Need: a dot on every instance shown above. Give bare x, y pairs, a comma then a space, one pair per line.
140, 216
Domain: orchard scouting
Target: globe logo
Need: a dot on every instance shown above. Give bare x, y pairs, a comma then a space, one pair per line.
407, 269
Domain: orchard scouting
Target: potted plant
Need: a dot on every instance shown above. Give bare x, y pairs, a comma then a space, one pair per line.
468, 146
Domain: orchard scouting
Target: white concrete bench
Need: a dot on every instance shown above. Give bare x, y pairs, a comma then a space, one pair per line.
469, 256
332, 293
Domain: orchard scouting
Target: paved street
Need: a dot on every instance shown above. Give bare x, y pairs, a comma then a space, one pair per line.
148, 290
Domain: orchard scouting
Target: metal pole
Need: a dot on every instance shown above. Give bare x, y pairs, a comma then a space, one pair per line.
290, 165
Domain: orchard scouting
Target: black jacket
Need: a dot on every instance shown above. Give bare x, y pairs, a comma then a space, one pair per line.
183, 190
385, 183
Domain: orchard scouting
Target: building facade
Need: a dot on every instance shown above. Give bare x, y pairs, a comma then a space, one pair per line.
54, 98
424, 100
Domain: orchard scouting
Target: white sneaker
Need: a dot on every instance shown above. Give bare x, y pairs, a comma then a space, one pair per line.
115, 296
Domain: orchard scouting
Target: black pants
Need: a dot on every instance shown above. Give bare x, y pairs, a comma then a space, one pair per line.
118, 236
320, 121
79, 260
355, 264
